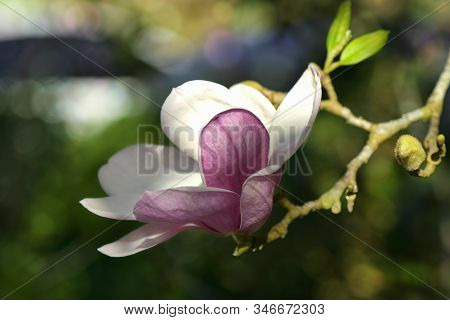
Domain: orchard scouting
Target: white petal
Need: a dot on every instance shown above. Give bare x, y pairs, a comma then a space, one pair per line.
118, 207
140, 168
254, 101
294, 117
189, 108
143, 238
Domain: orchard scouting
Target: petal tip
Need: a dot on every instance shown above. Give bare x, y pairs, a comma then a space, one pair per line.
315, 72
104, 250
109, 250
87, 204
84, 202
175, 90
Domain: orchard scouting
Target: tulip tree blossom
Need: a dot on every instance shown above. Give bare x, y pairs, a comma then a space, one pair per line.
234, 142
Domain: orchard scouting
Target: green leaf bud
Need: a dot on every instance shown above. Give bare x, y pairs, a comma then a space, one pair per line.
409, 152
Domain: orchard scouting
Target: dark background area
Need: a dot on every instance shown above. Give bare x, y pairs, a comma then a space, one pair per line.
63, 114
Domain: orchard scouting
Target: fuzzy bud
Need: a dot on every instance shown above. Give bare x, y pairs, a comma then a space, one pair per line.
409, 152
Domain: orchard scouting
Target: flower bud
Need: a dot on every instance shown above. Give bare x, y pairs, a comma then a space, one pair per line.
409, 152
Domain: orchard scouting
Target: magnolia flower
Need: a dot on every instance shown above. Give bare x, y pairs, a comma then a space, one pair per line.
233, 142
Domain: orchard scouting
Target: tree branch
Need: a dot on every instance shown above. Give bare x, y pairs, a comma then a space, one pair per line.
378, 133
434, 142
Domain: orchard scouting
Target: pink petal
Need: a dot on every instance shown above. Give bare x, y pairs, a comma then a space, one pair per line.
143, 238
233, 146
257, 198
214, 209
189, 107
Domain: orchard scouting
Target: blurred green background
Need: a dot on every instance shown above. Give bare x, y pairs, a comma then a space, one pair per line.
62, 117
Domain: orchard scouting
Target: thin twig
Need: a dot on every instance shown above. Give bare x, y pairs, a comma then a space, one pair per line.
378, 133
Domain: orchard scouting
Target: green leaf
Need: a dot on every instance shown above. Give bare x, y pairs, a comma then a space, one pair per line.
363, 47
340, 25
